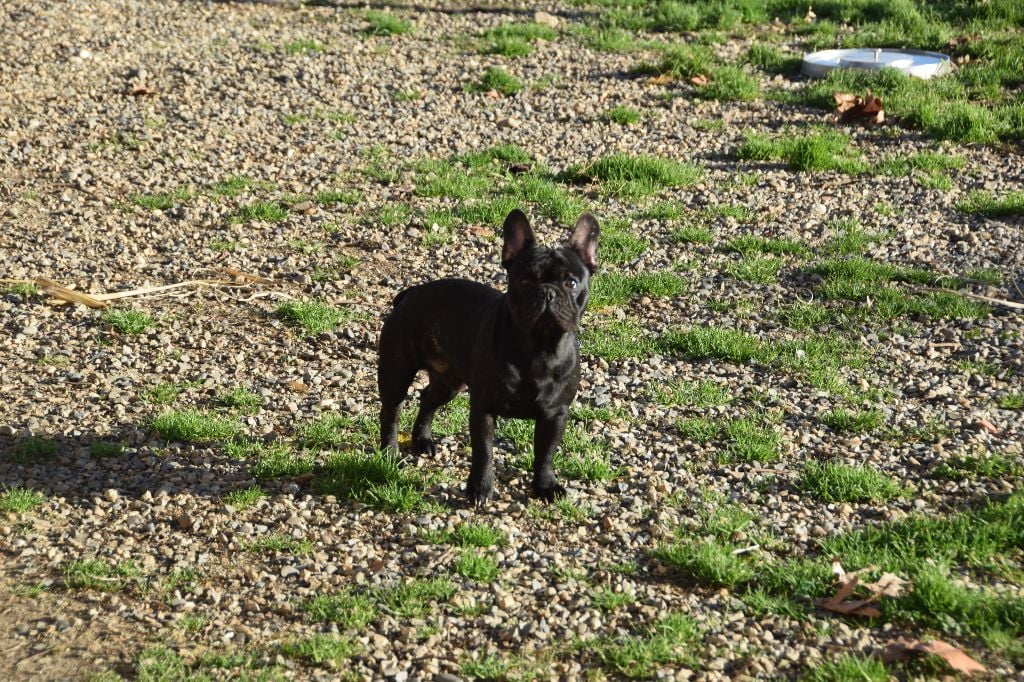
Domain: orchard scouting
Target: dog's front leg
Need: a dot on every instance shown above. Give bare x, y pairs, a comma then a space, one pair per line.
480, 487
547, 436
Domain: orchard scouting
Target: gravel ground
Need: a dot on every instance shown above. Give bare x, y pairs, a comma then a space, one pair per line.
216, 95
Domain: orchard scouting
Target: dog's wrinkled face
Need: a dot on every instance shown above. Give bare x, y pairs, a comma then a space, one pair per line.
548, 287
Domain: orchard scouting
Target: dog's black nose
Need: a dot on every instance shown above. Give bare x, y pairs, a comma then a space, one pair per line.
549, 295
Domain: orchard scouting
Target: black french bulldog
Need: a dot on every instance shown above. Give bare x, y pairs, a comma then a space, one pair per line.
517, 352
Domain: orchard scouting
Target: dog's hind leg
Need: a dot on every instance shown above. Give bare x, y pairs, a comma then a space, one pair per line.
437, 394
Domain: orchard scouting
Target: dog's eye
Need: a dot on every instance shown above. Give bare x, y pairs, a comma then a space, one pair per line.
571, 282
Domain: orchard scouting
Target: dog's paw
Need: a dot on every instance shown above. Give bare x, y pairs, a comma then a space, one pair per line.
480, 492
424, 446
549, 491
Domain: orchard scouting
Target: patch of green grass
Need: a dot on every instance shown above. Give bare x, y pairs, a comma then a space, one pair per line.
33, 448
127, 321
393, 214
848, 668
302, 46
412, 599
1012, 401
386, 24
332, 431
750, 243
761, 602
487, 667
222, 245
315, 316
105, 448
749, 440
755, 268
607, 599
97, 574
165, 392
263, 211
233, 186
160, 664
850, 238
697, 429
23, 289
374, 479
436, 178
944, 108
669, 641
805, 316
707, 562
682, 62
617, 339
832, 482
245, 498
823, 150
277, 460
18, 500
194, 426
337, 196
478, 535
852, 421
161, 201
717, 342
476, 566
351, 611
192, 622
497, 79
691, 394
738, 212
321, 649
693, 234
549, 198
730, 84
612, 288
620, 245
923, 548
488, 212
241, 399
990, 465
278, 543
992, 206
623, 115
633, 177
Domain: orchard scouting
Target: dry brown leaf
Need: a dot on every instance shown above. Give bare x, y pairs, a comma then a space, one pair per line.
660, 80
838, 571
139, 90
889, 585
867, 109
492, 94
699, 79
841, 603
902, 648
988, 426
298, 386
481, 231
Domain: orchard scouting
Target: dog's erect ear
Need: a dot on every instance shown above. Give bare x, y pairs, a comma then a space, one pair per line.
518, 236
584, 240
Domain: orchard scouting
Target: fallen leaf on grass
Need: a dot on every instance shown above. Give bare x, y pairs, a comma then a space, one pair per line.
841, 602
902, 649
867, 109
492, 94
889, 585
660, 80
298, 386
700, 79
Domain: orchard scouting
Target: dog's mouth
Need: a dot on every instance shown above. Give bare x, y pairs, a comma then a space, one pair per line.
557, 313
